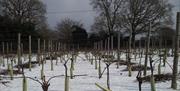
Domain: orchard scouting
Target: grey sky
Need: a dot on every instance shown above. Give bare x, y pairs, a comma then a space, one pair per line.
79, 10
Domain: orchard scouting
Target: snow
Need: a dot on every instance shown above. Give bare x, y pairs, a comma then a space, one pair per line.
119, 80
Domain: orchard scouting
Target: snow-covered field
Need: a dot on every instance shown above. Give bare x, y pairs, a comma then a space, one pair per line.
119, 80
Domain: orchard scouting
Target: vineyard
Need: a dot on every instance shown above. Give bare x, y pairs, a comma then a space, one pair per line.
89, 45
58, 68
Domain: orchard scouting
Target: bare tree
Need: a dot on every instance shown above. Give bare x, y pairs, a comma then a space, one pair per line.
109, 9
65, 28
23, 11
99, 25
138, 13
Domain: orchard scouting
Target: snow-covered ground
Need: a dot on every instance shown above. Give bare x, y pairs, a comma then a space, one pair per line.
119, 80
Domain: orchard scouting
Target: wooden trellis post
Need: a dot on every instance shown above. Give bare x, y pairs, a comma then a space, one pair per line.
147, 51
99, 58
22, 52
51, 55
11, 47
3, 54
112, 45
24, 84
118, 50
7, 52
7, 48
56, 53
153, 88
29, 52
10, 71
44, 50
66, 83
95, 56
173, 45
108, 64
152, 80
72, 67
105, 47
39, 50
19, 51
49, 48
108, 45
176, 54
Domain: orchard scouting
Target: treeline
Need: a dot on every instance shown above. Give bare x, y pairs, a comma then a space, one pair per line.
133, 19
163, 39
21, 16
115, 16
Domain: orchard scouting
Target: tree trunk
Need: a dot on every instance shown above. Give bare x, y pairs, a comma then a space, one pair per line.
139, 78
45, 86
133, 39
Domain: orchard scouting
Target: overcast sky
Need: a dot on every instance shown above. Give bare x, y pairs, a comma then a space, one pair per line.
79, 10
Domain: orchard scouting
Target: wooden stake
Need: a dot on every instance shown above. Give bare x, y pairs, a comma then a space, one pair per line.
51, 51
29, 52
3, 54
7, 52
19, 51
44, 50
147, 51
176, 54
39, 50
24, 84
